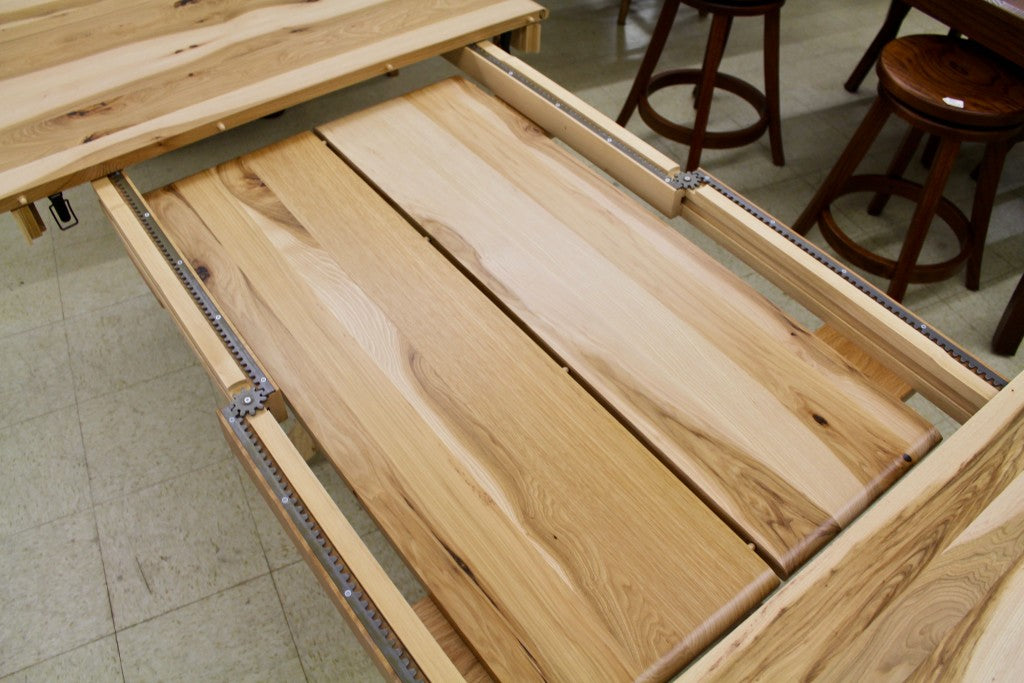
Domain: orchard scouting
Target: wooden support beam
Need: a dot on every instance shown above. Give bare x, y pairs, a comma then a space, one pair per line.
29, 221
527, 38
350, 548
877, 374
454, 646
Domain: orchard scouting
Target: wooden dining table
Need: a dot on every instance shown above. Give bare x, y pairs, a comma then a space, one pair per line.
997, 24
597, 448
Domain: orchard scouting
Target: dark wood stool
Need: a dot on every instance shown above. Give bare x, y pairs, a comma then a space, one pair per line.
707, 78
957, 91
1010, 329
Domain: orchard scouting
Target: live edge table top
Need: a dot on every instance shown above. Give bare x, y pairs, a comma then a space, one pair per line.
91, 86
590, 524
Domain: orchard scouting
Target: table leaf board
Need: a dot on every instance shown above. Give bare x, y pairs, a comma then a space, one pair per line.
770, 426
191, 69
522, 504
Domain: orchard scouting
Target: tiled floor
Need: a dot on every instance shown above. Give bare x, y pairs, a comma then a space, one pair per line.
133, 547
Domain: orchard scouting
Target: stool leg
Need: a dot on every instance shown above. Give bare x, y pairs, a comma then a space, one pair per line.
657, 44
981, 212
623, 11
923, 214
1010, 330
720, 26
845, 165
771, 85
928, 155
894, 17
897, 166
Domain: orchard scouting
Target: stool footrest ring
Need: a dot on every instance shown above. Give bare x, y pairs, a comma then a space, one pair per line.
712, 139
876, 264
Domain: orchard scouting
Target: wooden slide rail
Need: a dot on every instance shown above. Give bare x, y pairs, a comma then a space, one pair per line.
930, 370
644, 170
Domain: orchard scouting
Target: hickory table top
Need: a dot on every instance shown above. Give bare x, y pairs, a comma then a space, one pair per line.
90, 87
584, 524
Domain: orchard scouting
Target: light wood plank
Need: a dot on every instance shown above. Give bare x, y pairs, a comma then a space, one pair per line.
471, 668
889, 382
928, 585
557, 544
90, 88
31, 223
942, 379
766, 422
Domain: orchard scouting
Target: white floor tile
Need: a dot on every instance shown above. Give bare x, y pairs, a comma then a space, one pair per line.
52, 593
177, 542
44, 471
236, 635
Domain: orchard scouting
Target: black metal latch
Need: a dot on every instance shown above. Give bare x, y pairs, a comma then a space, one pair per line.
63, 214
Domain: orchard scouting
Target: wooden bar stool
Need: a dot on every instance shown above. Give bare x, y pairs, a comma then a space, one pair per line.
707, 78
952, 89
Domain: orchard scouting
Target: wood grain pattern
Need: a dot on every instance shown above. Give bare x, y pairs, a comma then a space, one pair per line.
771, 427
90, 87
877, 374
928, 585
558, 545
471, 668
943, 380
923, 71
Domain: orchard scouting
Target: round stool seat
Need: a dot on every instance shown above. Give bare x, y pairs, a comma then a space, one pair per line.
740, 8
955, 81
